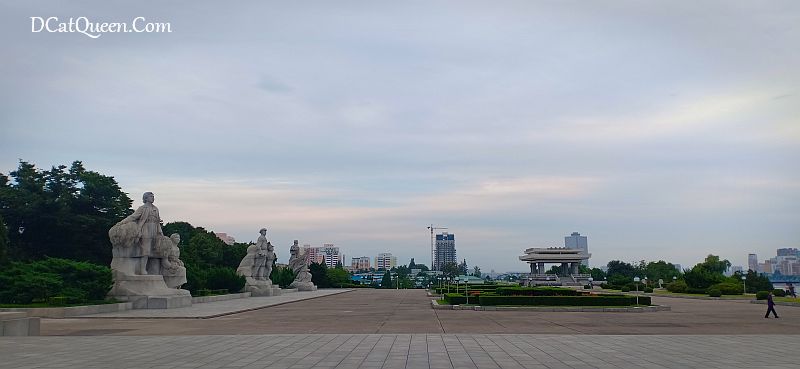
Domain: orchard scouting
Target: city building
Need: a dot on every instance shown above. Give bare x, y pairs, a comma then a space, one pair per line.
328, 254
576, 241
360, 263
229, 240
385, 261
445, 251
786, 262
752, 263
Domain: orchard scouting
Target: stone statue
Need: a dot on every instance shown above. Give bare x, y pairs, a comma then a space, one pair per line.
143, 260
297, 261
256, 266
264, 257
172, 267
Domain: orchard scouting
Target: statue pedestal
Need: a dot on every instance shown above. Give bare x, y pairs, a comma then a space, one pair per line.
303, 286
148, 292
258, 287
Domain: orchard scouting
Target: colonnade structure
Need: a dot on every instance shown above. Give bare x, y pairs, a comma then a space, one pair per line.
568, 259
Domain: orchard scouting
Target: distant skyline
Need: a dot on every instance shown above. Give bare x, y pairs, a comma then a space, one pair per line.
658, 130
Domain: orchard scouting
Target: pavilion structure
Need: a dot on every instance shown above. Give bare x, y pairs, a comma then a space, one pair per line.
568, 259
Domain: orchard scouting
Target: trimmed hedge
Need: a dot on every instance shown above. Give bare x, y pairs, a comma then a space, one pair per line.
713, 292
762, 295
677, 287
536, 291
455, 298
727, 288
778, 292
41, 280
598, 300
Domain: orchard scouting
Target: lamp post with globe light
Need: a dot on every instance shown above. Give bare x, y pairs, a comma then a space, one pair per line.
636, 283
744, 285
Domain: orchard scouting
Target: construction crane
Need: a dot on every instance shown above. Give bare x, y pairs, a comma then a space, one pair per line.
433, 229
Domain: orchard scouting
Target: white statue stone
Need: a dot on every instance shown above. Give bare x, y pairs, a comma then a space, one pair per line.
172, 267
256, 267
297, 261
142, 257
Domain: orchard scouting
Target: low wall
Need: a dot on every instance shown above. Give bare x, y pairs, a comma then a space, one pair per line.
18, 324
70, 311
230, 296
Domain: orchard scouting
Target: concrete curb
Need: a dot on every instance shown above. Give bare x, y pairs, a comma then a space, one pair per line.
230, 296
781, 303
71, 311
216, 315
695, 297
586, 309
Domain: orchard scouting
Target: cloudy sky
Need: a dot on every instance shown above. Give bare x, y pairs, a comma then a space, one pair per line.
661, 131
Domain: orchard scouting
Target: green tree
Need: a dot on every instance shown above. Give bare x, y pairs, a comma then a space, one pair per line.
450, 269
412, 264
282, 276
661, 269
386, 281
337, 277
597, 274
3, 242
476, 271
319, 274
65, 212
616, 267
462, 268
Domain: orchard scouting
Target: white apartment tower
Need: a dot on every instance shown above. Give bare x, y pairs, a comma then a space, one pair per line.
385, 261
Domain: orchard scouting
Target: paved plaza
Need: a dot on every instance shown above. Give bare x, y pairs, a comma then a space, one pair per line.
398, 329
368, 311
400, 351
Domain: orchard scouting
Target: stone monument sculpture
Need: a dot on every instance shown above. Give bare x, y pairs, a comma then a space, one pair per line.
297, 261
256, 267
143, 259
172, 267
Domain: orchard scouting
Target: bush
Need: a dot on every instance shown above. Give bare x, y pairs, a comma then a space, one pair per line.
605, 286
648, 290
779, 292
587, 287
455, 298
762, 295
224, 278
625, 289
728, 288
535, 291
677, 287
697, 291
597, 300
714, 292
77, 282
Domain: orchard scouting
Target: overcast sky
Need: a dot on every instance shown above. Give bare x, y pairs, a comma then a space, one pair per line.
665, 130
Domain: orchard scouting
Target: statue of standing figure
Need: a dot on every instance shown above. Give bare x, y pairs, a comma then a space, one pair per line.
264, 257
297, 262
256, 267
146, 265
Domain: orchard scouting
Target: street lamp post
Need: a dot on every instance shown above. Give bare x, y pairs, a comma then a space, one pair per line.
530, 281
636, 283
744, 285
590, 282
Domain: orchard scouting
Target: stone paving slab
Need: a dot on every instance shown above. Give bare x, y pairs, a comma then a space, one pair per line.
405, 351
218, 308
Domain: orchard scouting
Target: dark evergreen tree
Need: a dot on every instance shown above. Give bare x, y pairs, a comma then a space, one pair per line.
386, 281
319, 274
62, 212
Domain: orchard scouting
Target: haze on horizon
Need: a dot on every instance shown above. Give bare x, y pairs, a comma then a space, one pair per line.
660, 131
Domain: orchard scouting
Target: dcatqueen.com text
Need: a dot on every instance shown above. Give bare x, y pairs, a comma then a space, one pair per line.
92, 29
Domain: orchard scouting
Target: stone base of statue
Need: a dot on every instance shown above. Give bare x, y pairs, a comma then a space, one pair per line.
260, 287
148, 292
303, 286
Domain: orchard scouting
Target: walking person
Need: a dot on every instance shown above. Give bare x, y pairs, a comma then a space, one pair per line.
770, 306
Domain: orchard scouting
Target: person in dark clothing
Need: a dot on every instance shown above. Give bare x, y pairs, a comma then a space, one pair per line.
770, 306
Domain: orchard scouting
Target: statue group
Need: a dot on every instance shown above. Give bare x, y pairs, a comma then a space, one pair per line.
147, 269
256, 267
146, 265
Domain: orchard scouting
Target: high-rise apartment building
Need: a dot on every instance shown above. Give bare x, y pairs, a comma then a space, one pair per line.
752, 262
360, 263
576, 241
385, 261
445, 251
328, 254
